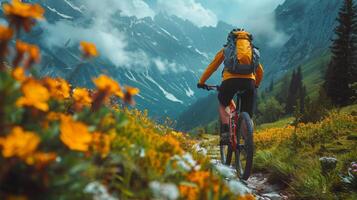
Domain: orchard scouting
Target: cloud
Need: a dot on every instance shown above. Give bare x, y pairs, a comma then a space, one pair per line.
111, 43
165, 66
256, 16
189, 10
137, 8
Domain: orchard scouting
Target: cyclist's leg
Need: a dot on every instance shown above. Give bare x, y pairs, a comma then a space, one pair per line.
248, 99
225, 95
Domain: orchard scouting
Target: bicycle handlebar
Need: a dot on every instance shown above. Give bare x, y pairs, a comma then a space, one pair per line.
210, 87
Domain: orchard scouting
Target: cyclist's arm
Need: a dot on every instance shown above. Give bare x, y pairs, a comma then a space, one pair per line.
212, 67
259, 75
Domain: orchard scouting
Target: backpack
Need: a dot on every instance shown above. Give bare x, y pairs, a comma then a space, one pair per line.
240, 55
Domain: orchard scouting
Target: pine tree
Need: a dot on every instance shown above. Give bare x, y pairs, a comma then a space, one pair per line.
291, 98
282, 95
297, 92
271, 86
341, 72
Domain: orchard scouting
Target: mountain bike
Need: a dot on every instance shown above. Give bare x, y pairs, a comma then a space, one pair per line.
241, 144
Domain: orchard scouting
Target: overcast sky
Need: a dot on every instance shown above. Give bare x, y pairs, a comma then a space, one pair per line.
256, 16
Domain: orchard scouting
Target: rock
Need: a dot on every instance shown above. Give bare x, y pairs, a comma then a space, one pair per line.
328, 164
273, 196
238, 187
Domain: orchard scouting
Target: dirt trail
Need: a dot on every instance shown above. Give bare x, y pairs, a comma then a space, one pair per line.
258, 183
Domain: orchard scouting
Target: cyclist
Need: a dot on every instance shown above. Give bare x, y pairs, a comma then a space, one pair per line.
235, 80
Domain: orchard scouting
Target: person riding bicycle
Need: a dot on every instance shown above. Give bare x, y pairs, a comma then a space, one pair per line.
242, 72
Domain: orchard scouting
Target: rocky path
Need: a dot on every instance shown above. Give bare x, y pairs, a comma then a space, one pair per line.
258, 183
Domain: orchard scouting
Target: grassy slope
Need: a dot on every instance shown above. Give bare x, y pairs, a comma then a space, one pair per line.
313, 72
294, 159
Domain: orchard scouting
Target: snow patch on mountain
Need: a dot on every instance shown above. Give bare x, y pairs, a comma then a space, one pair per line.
189, 91
60, 14
165, 31
73, 6
168, 95
201, 53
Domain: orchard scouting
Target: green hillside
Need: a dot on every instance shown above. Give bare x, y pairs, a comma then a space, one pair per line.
200, 113
313, 72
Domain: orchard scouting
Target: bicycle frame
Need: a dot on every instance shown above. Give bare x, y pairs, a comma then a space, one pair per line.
233, 121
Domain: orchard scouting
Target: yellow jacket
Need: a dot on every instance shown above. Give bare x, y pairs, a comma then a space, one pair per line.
258, 76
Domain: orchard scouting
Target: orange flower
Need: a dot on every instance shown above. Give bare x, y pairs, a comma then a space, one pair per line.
246, 197
58, 88
200, 178
5, 33
108, 86
34, 53
75, 135
23, 10
82, 96
102, 143
53, 116
89, 49
131, 90
19, 143
32, 50
189, 192
41, 158
34, 95
22, 15
21, 46
130, 93
19, 74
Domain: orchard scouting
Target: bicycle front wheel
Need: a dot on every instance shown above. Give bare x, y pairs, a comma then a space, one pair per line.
245, 146
226, 154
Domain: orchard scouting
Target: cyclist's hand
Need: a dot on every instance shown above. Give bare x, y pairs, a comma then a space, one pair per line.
202, 86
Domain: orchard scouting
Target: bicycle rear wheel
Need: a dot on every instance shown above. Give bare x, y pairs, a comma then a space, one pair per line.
244, 157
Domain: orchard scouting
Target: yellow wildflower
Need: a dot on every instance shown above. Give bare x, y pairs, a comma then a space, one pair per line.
58, 88
19, 143
82, 96
89, 49
74, 134
19, 74
5, 33
170, 144
34, 95
23, 10
102, 143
